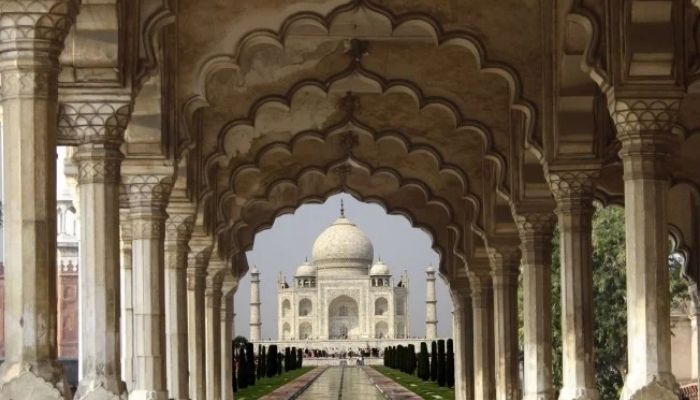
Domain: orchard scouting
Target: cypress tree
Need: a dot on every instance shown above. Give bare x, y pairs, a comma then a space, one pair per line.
280, 358
263, 363
251, 363
234, 381
271, 362
441, 363
287, 362
423, 362
433, 361
242, 371
450, 365
411, 359
300, 357
293, 356
258, 367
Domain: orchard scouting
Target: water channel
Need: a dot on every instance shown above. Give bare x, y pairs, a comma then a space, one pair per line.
346, 383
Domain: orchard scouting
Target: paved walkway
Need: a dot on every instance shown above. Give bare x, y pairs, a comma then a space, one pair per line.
292, 389
346, 383
390, 389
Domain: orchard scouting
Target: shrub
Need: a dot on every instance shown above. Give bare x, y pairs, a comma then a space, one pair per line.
433, 361
450, 365
441, 363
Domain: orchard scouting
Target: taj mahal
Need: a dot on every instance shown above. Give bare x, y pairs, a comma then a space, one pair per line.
343, 299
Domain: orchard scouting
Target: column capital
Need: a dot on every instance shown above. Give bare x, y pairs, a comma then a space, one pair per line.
30, 27
94, 120
634, 115
178, 229
534, 223
572, 188
196, 278
126, 228
98, 163
149, 193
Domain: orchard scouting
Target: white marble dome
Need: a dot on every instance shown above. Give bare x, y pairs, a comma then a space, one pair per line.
305, 269
343, 242
379, 268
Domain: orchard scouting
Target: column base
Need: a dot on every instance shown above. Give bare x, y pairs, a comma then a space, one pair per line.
658, 389
578, 393
101, 388
27, 381
546, 395
148, 395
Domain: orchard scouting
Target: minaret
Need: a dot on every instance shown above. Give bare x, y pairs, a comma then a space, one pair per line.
430, 305
254, 305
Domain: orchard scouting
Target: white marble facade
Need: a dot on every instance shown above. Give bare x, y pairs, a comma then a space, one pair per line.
341, 294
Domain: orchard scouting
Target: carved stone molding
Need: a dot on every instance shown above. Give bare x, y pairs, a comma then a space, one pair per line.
178, 228
126, 230
99, 164
196, 278
149, 192
26, 83
481, 285
534, 224
36, 20
147, 227
93, 121
573, 189
637, 115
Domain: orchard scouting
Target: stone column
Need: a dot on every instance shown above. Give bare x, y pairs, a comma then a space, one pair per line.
228, 291
127, 305
212, 318
430, 305
148, 197
573, 192
177, 235
644, 130
196, 275
695, 336
99, 126
255, 305
536, 231
504, 274
31, 38
462, 328
482, 305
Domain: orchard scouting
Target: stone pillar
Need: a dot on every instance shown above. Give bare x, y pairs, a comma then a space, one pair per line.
644, 130
482, 305
462, 328
504, 274
212, 318
31, 38
430, 305
573, 192
100, 127
126, 298
695, 336
196, 281
148, 197
255, 305
536, 231
228, 291
177, 235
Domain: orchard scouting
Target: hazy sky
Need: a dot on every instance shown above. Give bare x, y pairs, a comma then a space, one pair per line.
284, 247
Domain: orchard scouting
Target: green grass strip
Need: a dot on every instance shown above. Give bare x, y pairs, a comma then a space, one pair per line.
426, 389
267, 385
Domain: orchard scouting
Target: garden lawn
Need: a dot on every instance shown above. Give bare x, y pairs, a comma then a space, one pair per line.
267, 385
426, 389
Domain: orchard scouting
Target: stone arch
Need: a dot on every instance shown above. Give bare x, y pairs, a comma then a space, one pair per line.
286, 308
343, 317
305, 307
381, 306
286, 331
381, 330
305, 331
400, 331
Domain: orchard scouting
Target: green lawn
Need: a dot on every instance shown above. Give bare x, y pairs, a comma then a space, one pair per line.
267, 385
425, 389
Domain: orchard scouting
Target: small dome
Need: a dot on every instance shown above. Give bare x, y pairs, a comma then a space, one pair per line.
379, 268
305, 269
343, 241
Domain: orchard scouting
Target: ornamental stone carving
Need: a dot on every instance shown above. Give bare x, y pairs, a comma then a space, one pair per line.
147, 227
94, 121
149, 191
47, 20
571, 183
196, 278
23, 83
98, 165
178, 228
533, 225
637, 115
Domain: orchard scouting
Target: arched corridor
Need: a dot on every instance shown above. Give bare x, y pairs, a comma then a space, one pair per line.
193, 125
